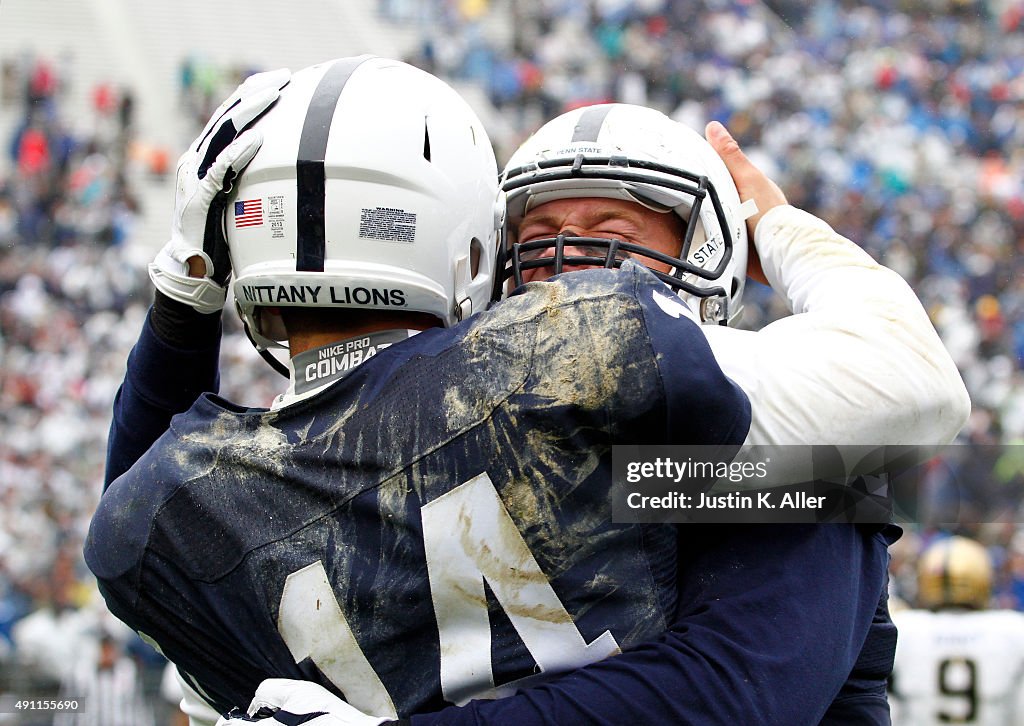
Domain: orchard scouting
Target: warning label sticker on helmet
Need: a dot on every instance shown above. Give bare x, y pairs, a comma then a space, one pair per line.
275, 213
387, 223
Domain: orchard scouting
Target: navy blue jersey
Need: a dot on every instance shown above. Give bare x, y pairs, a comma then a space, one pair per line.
487, 446
751, 641
771, 619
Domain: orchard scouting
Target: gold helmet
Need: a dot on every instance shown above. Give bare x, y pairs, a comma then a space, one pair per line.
954, 572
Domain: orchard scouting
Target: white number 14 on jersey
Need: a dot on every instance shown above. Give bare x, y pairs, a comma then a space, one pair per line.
469, 538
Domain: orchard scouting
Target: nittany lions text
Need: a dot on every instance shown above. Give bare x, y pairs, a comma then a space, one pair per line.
311, 295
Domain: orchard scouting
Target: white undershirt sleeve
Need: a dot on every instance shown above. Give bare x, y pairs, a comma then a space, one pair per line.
858, 363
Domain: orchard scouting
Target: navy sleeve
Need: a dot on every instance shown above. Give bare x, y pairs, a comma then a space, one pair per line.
772, 623
696, 389
162, 380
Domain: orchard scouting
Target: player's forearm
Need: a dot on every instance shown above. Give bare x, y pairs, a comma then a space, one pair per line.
859, 362
901, 358
161, 380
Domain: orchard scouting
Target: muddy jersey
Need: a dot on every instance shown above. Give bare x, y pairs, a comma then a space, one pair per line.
443, 510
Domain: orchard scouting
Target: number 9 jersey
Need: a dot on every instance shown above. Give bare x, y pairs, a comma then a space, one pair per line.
958, 667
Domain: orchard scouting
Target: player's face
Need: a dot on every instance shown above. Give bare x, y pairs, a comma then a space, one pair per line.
600, 217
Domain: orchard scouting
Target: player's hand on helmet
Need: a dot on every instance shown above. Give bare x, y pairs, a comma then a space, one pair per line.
284, 701
751, 183
193, 267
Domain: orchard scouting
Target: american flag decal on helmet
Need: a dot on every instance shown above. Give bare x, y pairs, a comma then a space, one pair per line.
248, 213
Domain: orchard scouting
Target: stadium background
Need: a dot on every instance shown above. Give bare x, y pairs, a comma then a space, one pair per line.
901, 123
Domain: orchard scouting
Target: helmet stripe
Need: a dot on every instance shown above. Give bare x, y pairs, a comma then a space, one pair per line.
590, 123
310, 179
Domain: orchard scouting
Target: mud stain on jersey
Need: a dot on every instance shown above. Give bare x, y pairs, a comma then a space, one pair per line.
229, 436
270, 446
582, 352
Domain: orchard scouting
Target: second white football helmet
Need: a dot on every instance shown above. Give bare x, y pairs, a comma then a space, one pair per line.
375, 188
639, 155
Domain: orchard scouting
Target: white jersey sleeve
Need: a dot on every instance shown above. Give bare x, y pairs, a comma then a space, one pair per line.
858, 363
958, 667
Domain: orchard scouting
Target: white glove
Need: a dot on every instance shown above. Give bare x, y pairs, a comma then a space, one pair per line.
299, 702
204, 176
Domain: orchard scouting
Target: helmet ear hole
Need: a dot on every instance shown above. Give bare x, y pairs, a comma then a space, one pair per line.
476, 250
270, 324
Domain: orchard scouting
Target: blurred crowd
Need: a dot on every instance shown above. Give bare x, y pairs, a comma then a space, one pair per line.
73, 293
900, 123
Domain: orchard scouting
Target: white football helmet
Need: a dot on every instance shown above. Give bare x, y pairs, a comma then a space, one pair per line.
376, 187
639, 155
